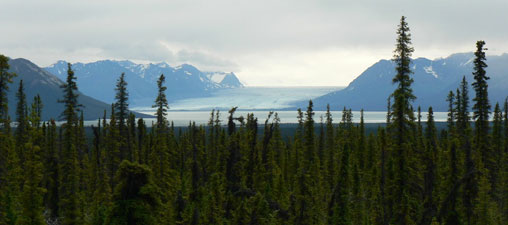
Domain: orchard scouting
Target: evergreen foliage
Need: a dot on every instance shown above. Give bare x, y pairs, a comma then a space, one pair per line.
5, 80
402, 123
69, 209
161, 103
236, 170
135, 200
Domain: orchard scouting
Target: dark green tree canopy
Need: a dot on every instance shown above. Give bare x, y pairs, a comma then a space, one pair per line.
122, 101
70, 97
5, 80
161, 102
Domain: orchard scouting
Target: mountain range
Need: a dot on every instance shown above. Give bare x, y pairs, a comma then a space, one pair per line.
38, 81
98, 79
433, 80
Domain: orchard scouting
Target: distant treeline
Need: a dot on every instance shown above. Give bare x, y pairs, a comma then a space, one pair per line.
246, 171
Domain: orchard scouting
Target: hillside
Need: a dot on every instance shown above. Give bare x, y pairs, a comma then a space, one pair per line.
433, 79
38, 81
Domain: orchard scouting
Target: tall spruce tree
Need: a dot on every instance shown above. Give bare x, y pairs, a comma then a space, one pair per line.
481, 108
122, 101
402, 121
464, 132
122, 112
430, 173
160, 152
161, 103
69, 180
22, 122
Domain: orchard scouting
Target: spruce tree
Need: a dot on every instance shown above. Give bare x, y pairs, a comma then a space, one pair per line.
462, 107
10, 179
160, 152
402, 121
330, 148
430, 173
69, 180
451, 111
309, 136
5, 79
132, 146
142, 142
8, 157
253, 161
339, 206
161, 103
37, 109
122, 112
481, 108
51, 171
100, 181
497, 152
121, 104
383, 177
22, 122
112, 145
504, 168
32, 196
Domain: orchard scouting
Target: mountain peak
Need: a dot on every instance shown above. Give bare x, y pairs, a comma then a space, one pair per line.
183, 81
185, 66
162, 65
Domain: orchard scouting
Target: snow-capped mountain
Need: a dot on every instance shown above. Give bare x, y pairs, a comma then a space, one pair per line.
433, 80
98, 80
225, 80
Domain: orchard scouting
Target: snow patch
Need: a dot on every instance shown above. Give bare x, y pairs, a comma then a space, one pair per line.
468, 62
429, 70
162, 65
188, 73
217, 77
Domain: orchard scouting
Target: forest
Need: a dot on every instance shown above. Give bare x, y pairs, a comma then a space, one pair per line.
130, 172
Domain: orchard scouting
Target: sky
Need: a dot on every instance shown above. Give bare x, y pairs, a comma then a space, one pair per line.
264, 42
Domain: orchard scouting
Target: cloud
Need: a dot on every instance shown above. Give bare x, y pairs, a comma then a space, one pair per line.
204, 59
284, 39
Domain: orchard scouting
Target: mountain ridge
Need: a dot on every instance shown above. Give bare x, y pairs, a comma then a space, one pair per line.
98, 79
38, 81
433, 79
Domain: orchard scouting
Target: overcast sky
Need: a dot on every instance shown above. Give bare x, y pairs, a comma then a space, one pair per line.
265, 42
